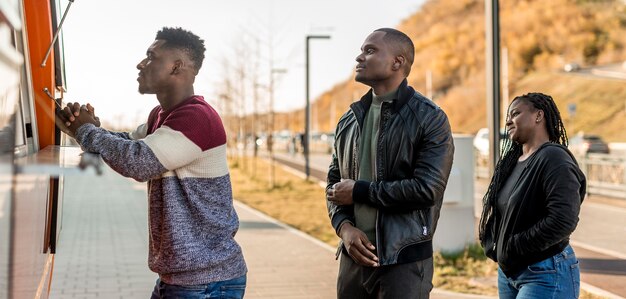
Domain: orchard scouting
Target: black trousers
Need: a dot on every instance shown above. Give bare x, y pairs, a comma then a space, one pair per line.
410, 280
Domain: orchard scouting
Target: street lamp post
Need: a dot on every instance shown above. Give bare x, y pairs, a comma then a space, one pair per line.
492, 32
307, 113
270, 137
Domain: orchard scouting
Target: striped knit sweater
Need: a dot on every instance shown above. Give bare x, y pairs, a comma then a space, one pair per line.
182, 155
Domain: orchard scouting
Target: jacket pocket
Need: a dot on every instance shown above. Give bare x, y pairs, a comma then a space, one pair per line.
407, 228
543, 267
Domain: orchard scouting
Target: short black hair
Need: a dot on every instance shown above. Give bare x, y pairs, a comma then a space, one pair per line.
179, 38
403, 44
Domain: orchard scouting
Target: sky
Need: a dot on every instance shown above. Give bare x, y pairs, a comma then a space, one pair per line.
104, 41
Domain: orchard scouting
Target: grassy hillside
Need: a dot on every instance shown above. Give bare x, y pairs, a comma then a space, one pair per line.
540, 37
600, 103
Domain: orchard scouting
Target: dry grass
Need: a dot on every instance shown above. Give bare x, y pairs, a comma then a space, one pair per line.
468, 272
302, 205
294, 201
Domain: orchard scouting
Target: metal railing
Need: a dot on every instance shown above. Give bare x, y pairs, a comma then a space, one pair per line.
606, 173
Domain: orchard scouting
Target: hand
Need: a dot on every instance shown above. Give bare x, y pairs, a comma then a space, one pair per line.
73, 110
358, 246
92, 111
341, 193
61, 121
74, 119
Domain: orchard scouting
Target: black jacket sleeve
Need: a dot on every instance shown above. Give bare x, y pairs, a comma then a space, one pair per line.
338, 214
425, 187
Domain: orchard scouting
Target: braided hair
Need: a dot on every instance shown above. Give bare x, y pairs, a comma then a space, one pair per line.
511, 151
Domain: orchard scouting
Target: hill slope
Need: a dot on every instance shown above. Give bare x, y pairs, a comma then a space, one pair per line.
540, 37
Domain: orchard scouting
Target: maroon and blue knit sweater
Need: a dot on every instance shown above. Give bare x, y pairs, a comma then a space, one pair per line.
182, 155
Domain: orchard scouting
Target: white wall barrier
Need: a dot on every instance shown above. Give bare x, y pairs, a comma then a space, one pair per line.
455, 228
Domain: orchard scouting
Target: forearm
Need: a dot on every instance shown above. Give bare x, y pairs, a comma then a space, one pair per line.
130, 158
561, 216
123, 135
340, 215
547, 232
409, 194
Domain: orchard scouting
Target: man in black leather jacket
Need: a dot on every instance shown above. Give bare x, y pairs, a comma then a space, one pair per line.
393, 155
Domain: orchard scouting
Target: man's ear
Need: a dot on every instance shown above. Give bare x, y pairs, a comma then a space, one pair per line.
398, 62
177, 67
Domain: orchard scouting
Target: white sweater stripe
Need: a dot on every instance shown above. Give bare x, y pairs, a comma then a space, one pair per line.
212, 163
172, 148
139, 133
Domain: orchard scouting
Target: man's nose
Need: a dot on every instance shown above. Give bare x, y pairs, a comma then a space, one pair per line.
359, 58
141, 64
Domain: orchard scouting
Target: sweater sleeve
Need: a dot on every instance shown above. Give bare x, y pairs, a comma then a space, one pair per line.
181, 139
138, 133
130, 158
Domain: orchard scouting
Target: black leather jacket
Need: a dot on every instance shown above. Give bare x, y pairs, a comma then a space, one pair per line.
413, 161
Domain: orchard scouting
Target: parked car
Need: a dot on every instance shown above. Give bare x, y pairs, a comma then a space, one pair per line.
481, 141
571, 67
582, 144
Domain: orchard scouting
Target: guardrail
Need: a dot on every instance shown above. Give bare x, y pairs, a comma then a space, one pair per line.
606, 173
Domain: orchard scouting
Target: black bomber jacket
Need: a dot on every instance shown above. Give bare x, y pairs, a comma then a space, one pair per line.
542, 211
413, 161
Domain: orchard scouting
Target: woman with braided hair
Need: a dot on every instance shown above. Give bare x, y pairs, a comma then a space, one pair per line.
531, 206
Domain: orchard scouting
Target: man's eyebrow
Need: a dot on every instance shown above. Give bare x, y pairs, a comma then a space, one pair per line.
368, 46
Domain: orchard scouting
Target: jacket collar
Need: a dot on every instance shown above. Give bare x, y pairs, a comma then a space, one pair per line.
405, 93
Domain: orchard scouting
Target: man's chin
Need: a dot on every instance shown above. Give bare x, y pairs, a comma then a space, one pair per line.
362, 79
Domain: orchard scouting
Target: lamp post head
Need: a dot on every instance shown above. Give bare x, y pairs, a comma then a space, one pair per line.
308, 37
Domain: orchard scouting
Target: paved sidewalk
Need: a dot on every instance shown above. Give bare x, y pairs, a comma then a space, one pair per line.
286, 263
102, 252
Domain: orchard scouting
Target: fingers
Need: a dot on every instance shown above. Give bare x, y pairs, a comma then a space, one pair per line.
359, 247
60, 121
92, 112
91, 109
72, 111
363, 256
69, 117
75, 108
330, 193
366, 249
